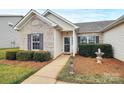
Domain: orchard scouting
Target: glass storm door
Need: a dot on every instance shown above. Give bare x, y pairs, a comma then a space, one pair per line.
66, 44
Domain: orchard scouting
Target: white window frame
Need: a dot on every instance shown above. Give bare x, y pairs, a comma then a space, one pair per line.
33, 41
92, 38
88, 36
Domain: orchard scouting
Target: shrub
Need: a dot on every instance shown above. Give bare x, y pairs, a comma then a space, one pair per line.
84, 50
89, 50
11, 55
41, 56
24, 55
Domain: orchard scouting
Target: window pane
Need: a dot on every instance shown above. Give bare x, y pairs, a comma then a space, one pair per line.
83, 40
92, 39
33, 38
78, 40
97, 39
34, 45
36, 41
67, 48
66, 40
38, 45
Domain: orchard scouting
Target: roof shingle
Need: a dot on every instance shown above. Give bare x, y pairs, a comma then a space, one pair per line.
93, 26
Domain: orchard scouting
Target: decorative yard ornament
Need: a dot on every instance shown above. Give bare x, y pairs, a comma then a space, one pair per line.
99, 56
71, 68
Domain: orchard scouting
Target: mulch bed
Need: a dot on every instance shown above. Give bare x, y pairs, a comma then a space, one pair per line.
110, 66
28, 64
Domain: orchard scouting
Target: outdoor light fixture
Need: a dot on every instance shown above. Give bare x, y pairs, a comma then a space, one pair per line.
10, 24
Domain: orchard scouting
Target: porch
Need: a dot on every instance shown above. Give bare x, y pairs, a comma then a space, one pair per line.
65, 42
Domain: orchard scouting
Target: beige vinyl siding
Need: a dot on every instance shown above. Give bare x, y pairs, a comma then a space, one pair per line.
115, 37
58, 43
7, 33
61, 23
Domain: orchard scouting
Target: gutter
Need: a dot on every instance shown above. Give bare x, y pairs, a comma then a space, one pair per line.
113, 24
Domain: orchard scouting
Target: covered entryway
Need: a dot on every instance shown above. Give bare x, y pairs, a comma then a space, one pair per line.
65, 43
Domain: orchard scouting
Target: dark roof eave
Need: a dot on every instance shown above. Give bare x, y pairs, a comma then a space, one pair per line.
93, 27
113, 25
90, 32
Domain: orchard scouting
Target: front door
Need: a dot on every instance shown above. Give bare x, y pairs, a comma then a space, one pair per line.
67, 44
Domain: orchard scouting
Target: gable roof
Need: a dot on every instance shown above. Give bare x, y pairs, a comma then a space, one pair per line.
28, 15
60, 17
93, 26
98, 26
114, 24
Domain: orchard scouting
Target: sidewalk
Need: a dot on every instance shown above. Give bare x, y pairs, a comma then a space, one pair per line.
48, 74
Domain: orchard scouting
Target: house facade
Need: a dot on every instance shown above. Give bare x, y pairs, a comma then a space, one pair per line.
49, 31
114, 34
8, 37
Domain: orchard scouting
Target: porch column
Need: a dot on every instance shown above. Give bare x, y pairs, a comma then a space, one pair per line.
73, 51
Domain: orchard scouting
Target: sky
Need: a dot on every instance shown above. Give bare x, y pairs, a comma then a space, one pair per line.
75, 15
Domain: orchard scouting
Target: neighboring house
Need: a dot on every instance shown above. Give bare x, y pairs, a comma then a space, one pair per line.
8, 37
114, 34
57, 35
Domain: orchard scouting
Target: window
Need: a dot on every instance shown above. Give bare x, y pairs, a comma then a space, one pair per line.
83, 40
88, 39
97, 39
92, 39
35, 41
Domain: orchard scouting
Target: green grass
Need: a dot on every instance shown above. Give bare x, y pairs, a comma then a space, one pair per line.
87, 78
3, 51
10, 74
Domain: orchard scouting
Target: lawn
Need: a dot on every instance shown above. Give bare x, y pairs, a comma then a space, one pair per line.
14, 72
3, 51
87, 71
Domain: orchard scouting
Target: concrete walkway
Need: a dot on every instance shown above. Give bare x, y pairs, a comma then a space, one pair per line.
48, 74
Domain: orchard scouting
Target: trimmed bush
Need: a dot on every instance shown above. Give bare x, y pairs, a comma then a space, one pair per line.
89, 50
41, 56
24, 55
11, 55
